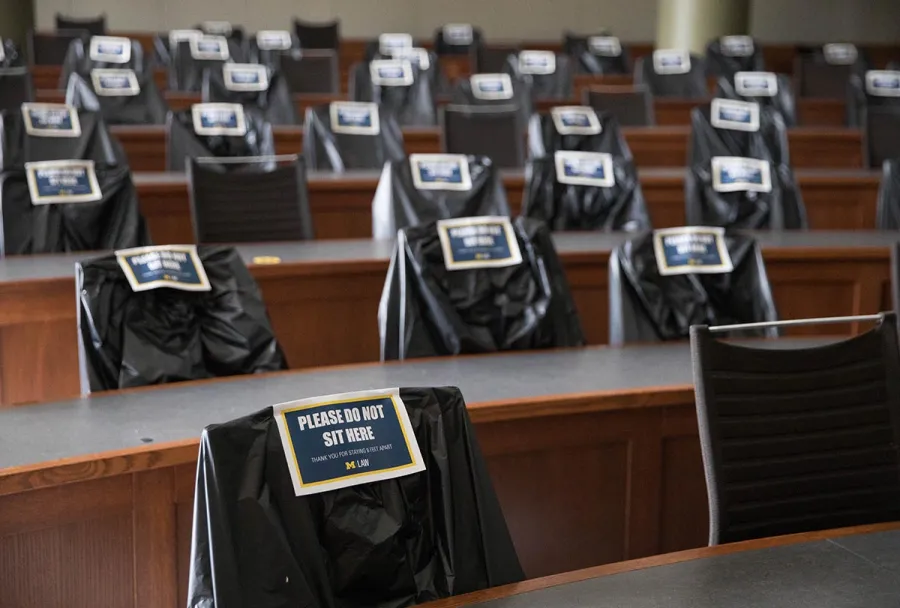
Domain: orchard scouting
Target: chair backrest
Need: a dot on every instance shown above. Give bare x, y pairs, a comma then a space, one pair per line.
881, 136
888, 213
816, 78
318, 35
691, 84
252, 204
95, 26
799, 439
148, 107
326, 148
493, 131
631, 105
51, 49
311, 71
183, 142
15, 88
492, 58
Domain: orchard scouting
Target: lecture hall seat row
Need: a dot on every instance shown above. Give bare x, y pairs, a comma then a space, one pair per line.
341, 204
322, 298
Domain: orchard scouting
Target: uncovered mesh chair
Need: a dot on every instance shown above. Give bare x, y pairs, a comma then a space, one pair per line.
427, 310
495, 132
799, 439
325, 149
632, 106
396, 542
646, 306
51, 49
16, 88
95, 26
311, 71
324, 36
492, 58
254, 204
881, 135
815, 77
691, 84
128, 339
888, 217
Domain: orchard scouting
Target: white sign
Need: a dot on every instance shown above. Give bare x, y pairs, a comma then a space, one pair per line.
51, 120
756, 84
274, 40
671, 61
245, 76
538, 63
355, 118
176, 36
212, 119
491, 86
734, 115
110, 49
391, 72
415, 55
575, 120
388, 43
62, 181
883, 83
691, 250
458, 34
209, 48
736, 46
605, 46
584, 168
440, 172
115, 83
469, 243
739, 174
838, 53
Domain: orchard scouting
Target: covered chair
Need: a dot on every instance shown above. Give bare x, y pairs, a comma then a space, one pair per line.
183, 141
433, 530
258, 203
546, 74
888, 216
110, 219
399, 87
429, 187
457, 39
322, 36
186, 66
489, 90
825, 71
881, 135
737, 128
255, 87
161, 332
233, 33
648, 306
874, 89
94, 26
566, 190
311, 71
267, 46
768, 89
799, 439
602, 54
83, 57
574, 128
728, 55
342, 136
143, 106
672, 73
87, 139
16, 88
437, 301
495, 132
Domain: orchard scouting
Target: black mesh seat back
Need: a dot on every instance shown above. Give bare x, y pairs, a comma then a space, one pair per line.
492, 58
275, 104
325, 36
128, 339
95, 142
632, 106
413, 105
723, 65
782, 102
496, 132
888, 217
691, 84
148, 107
16, 88
95, 26
461, 94
78, 61
311, 71
557, 85
428, 535
249, 206
444, 47
326, 150
51, 49
815, 77
770, 142
113, 222
881, 135
645, 306
432, 311
796, 440
183, 143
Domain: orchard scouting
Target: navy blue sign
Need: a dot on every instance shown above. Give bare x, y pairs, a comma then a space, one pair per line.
115, 82
355, 118
735, 114
176, 266
440, 172
578, 168
219, 119
347, 441
575, 119
62, 182
691, 250
734, 174
112, 49
211, 119
478, 242
586, 168
51, 120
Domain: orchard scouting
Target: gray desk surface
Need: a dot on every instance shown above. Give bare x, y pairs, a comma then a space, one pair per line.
847, 572
21, 268
40, 433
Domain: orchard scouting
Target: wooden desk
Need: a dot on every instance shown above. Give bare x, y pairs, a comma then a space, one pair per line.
96, 494
811, 147
835, 568
342, 204
323, 298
